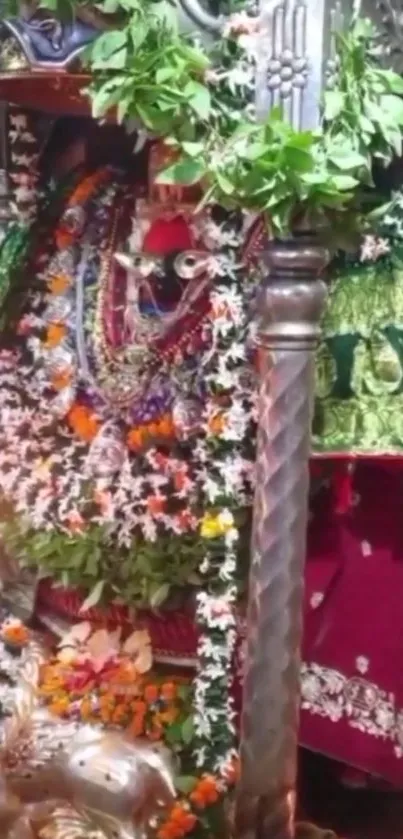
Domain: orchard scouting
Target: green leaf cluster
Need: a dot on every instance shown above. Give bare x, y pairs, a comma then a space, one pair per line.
147, 574
318, 179
364, 106
150, 74
272, 168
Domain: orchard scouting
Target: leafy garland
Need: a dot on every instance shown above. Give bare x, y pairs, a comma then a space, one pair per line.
144, 574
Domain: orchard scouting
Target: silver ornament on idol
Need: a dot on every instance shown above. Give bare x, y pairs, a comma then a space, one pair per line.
107, 452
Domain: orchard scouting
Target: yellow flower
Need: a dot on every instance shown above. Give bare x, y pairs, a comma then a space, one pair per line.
215, 525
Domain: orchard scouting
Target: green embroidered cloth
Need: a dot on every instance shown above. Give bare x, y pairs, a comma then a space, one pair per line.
359, 366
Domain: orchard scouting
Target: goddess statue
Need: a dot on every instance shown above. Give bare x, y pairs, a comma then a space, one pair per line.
114, 298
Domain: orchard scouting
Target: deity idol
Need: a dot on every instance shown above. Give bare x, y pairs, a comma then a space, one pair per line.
110, 330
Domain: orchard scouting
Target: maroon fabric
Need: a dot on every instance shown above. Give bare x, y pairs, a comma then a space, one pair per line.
352, 681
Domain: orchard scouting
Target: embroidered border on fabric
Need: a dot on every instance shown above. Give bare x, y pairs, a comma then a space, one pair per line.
364, 705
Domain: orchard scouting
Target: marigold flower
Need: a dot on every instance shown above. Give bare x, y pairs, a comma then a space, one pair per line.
181, 816
15, 633
58, 284
168, 691
64, 238
139, 707
206, 792
83, 422
166, 717
135, 439
61, 380
55, 334
217, 423
86, 709
166, 427
136, 727
151, 693
179, 822
119, 714
59, 706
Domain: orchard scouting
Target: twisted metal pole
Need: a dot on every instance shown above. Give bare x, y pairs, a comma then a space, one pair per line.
291, 304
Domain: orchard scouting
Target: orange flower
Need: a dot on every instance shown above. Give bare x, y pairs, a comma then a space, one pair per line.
166, 427
217, 423
61, 380
166, 717
58, 284
59, 706
197, 799
83, 422
124, 674
106, 714
86, 187
205, 792
86, 709
189, 822
139, 707
55, 334
179, 822
136, 727
63, 238
180, 815
156, 504
135, 439
151, 694
15, 633
51, 685
119, 714
168, 691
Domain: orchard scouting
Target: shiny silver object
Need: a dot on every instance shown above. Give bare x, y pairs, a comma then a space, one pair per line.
108, 780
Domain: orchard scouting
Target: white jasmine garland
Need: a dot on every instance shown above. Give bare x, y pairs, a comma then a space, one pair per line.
223, 475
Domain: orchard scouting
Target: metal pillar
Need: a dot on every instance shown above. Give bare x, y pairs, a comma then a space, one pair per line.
294, 57
290, 309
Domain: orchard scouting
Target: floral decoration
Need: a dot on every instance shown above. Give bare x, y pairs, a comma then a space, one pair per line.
23, 169
225, 475
97, 678
14, 633
183, 499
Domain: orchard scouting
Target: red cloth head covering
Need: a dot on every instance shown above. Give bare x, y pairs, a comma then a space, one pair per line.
167, 235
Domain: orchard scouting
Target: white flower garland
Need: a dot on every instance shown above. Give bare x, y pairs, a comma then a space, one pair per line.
225, 482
